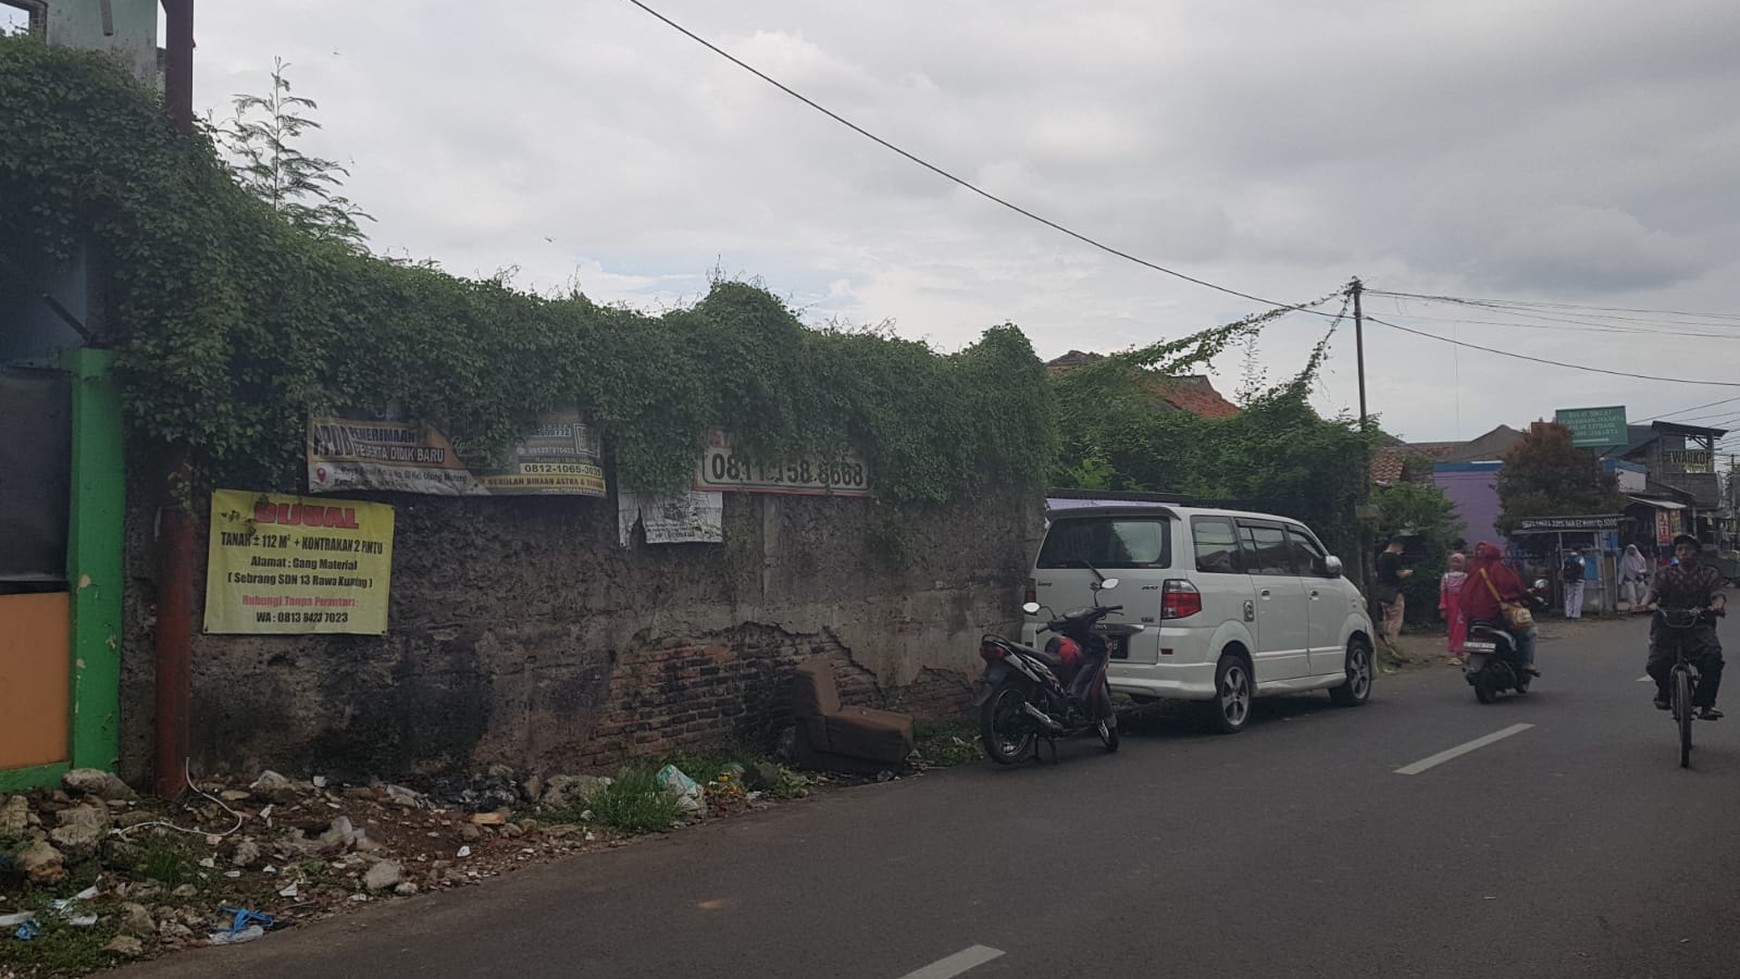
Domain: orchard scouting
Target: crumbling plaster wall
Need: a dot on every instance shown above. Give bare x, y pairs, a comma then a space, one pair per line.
520, 632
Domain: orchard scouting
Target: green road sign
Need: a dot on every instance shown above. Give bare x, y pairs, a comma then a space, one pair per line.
1594, 428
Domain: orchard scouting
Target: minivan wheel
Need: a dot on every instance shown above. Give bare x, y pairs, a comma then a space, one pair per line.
1357, 689
1233, 692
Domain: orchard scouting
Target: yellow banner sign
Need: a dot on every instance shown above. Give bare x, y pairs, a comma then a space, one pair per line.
288, 565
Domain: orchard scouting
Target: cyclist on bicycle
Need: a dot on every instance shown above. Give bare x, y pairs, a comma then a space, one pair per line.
1691, 584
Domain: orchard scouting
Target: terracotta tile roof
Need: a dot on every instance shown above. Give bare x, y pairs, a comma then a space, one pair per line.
1388, 464
1196, 395
1192, 393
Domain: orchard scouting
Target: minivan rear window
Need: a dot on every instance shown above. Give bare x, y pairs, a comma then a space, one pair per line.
1108, 542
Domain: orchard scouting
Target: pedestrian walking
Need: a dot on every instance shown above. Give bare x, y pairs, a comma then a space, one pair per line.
1450, 605
1390, 575
1633, 576
1571, 573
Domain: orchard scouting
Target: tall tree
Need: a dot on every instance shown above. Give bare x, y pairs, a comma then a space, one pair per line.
261, 142
1546, 475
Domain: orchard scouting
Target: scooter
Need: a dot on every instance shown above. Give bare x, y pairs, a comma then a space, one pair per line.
1493, 663
1028, 694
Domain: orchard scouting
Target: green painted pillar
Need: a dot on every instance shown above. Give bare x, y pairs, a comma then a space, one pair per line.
95, 540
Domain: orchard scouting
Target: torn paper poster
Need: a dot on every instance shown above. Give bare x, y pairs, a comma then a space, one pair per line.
695, 517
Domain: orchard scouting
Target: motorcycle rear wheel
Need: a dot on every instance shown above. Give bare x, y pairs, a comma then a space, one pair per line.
1005, 730
1485, 688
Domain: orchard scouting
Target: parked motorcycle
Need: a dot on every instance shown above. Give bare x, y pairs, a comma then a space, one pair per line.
1493, 664
1028, 694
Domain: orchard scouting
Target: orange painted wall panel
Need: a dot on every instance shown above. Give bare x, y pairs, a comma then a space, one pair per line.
33, 679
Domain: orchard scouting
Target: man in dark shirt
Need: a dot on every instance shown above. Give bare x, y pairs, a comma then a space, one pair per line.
1691, 584
1389, 588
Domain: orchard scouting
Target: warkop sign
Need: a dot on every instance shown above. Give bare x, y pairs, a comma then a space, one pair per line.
288, 564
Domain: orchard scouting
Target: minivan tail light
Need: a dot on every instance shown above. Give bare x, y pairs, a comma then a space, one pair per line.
1179, 599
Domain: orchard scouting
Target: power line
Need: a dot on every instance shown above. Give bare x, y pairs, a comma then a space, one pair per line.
1733, 317
1577, 328
939, 171
1681, 411
1553, 363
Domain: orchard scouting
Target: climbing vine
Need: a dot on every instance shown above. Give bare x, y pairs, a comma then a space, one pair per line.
231, 325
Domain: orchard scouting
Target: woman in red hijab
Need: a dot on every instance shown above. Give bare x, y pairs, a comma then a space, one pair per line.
1490, 582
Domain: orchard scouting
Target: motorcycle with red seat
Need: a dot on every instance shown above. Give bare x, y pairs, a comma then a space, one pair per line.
1028, 695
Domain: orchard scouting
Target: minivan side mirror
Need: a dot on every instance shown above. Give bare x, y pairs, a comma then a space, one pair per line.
1332, 565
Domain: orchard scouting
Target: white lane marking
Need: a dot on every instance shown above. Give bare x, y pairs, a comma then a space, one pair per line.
1645, 678
955, 964
1461, 749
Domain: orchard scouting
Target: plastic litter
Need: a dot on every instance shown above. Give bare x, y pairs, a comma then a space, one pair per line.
247, 934
14, 920
82, 920
27, 931
247, 926
464, 851
688, 793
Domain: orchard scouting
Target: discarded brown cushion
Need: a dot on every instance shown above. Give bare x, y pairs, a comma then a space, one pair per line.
832, 736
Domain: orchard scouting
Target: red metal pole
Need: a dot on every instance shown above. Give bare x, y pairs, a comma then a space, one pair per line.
174, 646
178, 62
174, 628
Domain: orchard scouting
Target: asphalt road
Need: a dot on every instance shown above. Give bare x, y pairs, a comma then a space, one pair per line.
1573, 847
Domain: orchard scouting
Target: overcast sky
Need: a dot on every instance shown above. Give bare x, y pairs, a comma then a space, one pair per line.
1578, 152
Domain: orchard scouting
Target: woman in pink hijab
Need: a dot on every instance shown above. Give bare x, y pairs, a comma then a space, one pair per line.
1450, 605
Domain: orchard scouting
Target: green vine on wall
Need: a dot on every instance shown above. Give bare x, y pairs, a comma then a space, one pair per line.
230, 326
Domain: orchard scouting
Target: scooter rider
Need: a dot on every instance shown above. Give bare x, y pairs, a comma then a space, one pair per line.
1490, 583
1690, 584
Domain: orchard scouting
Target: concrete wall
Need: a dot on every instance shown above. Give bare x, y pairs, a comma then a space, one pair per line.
520, 632
130, 35
1473, 487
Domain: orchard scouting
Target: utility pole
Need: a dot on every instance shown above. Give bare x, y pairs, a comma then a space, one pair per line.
1355, 287
174, 629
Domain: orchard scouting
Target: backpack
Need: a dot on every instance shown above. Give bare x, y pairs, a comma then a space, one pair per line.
1572, 571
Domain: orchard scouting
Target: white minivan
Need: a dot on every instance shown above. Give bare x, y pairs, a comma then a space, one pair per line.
1237, 605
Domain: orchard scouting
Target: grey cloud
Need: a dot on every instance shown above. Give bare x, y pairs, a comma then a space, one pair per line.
1574, 150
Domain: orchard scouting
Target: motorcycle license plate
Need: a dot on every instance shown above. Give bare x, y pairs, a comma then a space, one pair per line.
1479, 646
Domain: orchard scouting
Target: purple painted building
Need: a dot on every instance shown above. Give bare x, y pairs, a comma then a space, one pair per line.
1473, 487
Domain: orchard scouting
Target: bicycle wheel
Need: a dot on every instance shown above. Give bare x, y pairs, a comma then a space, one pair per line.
1683, 714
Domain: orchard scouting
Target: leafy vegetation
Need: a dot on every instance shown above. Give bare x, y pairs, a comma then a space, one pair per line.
1278, 455
635, 802
1428, 519
232, 322
1546, 475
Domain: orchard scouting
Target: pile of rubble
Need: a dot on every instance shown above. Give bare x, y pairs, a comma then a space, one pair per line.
237, 858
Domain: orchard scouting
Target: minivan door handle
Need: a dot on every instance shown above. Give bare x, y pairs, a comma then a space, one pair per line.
1313, 593
1264, 593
